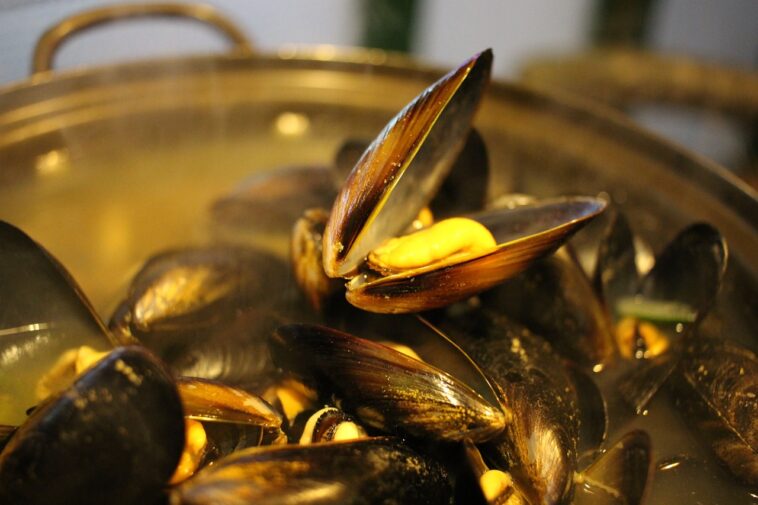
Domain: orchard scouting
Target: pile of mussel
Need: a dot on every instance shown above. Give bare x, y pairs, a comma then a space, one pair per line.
424, 343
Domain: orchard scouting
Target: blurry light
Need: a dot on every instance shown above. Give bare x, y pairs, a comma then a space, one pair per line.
287, 52
597, 368
292, 124
669, 465
56, 161
325, 53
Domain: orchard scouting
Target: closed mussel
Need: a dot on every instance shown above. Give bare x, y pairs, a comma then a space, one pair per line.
207, 310
539, 446
373, 470
715, 387
384, 388
115, 436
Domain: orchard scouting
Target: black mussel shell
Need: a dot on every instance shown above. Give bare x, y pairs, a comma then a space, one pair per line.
207, 311
376, 470
689, 270
539, 446
616, 274
465, 188
114, 437
306, 258
621, 476
216, 402
687, 273
232, 418
196, 288
384, 388
270, 202
43, 313
381, 196
523, 234
716, 389
554, 299
6, 432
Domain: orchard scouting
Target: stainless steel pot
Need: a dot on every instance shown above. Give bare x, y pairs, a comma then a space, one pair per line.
106, 166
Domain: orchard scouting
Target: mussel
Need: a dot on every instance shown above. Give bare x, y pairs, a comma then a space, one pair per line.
43, 313
558, 412
539, 447
384, 388
115, 436
655, 315
554, 299
207, 310
715, 387
372, 470
397, 176
264, 206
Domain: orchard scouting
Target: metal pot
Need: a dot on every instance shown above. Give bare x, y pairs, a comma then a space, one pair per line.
106, 166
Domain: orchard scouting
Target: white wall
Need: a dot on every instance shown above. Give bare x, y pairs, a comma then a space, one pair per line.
269, 24
449, 31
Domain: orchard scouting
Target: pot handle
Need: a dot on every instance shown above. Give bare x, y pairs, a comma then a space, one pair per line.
49, 42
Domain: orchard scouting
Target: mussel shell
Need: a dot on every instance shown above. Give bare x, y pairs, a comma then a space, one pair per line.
377, 470
616, 272
538, 447
689, 270
115, 436
554, 299
621, 476
306, 258
524, 234
6, 432
207, 311
213, 401
43, 313
716, 388
384, 388
198, 287
465, 188
383, 194
270, 202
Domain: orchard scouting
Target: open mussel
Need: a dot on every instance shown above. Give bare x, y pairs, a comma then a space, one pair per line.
43, 314
655, 315
220, 420
463, 191
115, 436
385, 388
372, 470
397, 176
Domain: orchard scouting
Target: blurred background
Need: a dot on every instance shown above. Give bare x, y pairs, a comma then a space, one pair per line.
532, 40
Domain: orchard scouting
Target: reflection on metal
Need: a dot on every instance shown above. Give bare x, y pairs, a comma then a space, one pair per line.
292, 124
53, 162
27, 328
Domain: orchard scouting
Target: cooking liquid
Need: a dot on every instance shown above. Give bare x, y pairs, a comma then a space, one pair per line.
103, 228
